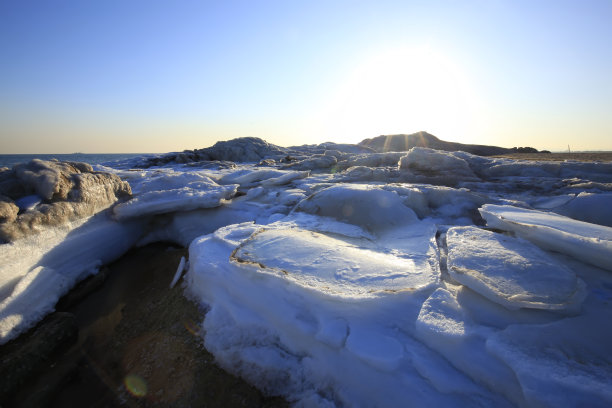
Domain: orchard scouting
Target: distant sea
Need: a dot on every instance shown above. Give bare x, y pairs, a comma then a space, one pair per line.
9, 160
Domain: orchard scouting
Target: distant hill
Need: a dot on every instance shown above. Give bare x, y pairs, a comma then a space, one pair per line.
400, 143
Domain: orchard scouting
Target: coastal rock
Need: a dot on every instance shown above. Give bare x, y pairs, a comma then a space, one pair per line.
8, 209
403, 142
240, 150
56, 192
243, 149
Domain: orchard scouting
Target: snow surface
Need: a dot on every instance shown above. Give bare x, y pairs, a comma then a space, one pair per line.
336, 277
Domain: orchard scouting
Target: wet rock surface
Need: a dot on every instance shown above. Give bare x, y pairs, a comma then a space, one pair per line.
139, 344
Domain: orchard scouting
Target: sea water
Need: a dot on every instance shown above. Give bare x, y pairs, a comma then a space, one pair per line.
9, 160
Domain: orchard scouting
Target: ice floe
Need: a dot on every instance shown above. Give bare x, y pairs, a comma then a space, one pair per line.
588, 242
511, 271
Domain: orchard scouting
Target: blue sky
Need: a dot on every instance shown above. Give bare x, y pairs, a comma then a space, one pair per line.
157, 76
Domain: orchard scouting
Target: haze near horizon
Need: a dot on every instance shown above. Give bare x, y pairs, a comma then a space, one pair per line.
106, 77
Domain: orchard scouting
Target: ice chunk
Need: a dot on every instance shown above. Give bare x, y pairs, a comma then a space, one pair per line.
561, 364
589, 207
444, 326
590, 243
303, 313
379, 350
511, 271
333, 332
185, 199
313, 163
431, 161
370, 207
178, 273
167, 192
28, 202
332, 266
265, 177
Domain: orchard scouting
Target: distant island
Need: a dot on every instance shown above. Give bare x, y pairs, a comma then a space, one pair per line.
404, 142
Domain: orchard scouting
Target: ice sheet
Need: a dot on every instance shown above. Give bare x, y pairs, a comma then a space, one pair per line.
590, 243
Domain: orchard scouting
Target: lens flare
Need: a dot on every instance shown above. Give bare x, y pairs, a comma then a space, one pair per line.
136, 385
191, 327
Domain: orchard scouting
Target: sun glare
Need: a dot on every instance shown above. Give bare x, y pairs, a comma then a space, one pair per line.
401, 91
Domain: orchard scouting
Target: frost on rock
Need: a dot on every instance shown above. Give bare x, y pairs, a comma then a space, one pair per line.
53, 193
587, 242
511, 271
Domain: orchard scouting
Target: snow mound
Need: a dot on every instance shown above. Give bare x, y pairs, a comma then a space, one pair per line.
587, 242
511, 271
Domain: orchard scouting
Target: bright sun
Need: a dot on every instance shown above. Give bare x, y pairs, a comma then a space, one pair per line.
402, 90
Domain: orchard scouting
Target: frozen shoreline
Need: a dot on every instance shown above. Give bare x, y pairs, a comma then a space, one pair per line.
337, 268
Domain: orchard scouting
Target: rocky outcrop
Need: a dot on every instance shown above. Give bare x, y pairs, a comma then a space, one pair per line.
240, 150
42, 193
402, 142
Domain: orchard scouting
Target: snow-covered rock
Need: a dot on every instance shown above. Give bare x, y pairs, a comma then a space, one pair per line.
53, 193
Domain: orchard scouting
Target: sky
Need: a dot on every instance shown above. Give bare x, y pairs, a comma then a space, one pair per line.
131, 76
